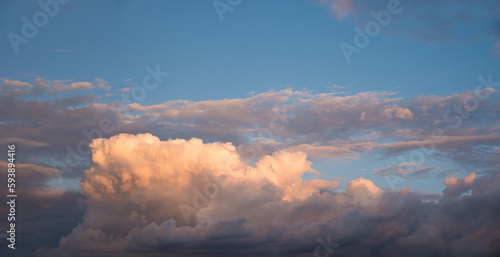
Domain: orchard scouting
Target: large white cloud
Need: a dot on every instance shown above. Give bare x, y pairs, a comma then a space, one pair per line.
190, 198
139, 187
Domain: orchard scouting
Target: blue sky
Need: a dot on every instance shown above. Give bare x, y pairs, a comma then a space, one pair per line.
384, 150
259, 46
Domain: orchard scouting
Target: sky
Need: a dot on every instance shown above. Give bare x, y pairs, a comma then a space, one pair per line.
212, 128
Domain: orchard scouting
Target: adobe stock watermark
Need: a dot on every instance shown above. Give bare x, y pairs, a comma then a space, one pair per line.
201, 199
223, 6
362, 38
276, 125
40, 19
455, 118
325, 248
74, 157
139, 93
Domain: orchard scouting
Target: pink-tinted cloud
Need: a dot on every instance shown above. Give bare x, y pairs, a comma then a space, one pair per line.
16, 84
42, 86
74, 86
178, 197
398, 112
322, 125
341, 8
426, 20
22, 141
101, 83
405, 169
456, 186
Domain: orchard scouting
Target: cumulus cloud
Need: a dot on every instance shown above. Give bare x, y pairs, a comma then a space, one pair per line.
38, 201
179, 163
41, 86
74, 86
456, 186
176, 181
326, 125
16, 84
185, 197
101, 83
364, 192
177, 196
398, 112
322, 125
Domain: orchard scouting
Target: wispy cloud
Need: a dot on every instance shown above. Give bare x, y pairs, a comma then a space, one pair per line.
429, 21
406, 170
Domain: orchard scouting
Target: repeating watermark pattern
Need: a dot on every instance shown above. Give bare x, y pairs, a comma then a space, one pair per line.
276, 125
325, 248
223, 6
149, 82
212, 188
455, 118
202, 199
75, 156
40, 19
362, 38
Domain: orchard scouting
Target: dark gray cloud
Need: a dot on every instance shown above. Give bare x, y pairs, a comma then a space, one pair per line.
363, 220
253, 213
43, 213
